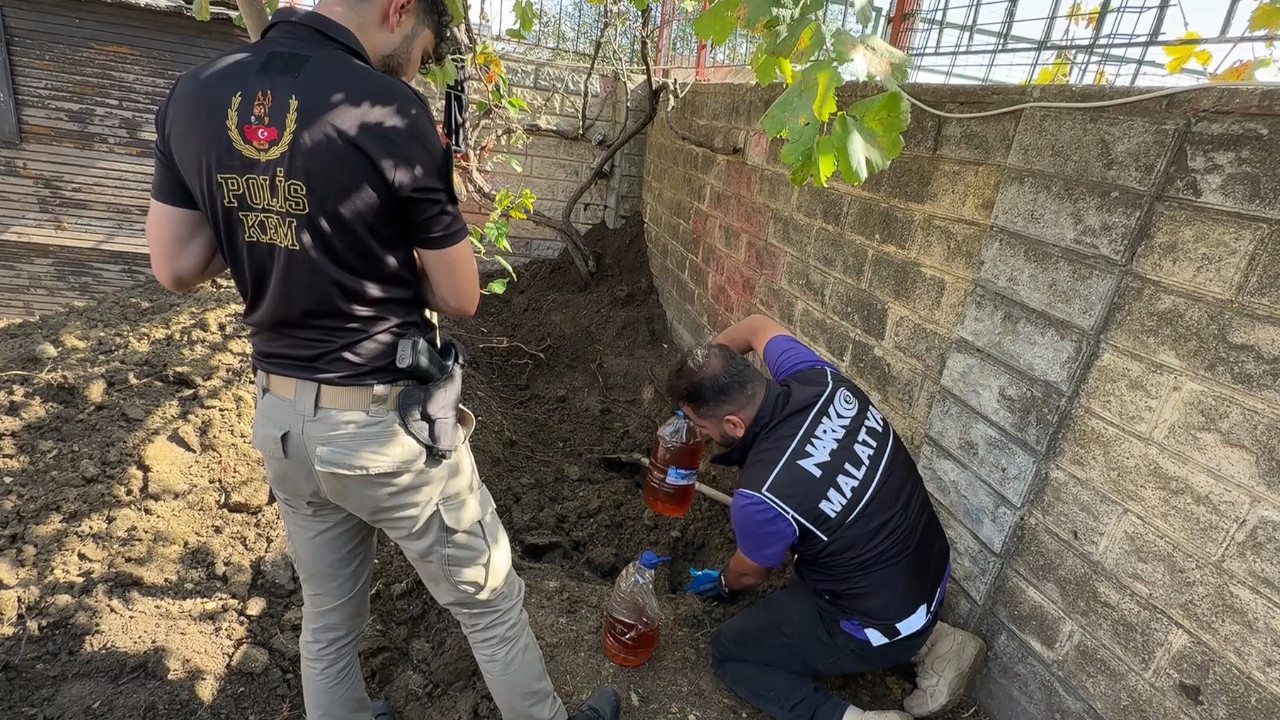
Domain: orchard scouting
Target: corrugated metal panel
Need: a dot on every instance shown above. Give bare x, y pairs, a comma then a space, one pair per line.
87, 77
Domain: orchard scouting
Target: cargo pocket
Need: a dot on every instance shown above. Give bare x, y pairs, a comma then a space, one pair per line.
477, 552
386, 453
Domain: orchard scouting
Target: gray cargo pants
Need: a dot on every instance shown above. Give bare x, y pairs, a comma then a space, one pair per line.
339, 475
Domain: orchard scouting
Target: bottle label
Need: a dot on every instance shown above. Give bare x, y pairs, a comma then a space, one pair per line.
681, 476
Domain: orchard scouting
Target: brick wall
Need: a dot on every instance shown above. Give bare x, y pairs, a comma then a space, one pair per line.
1073, 316
553, 167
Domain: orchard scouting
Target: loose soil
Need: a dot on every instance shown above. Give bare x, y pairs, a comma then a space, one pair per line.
143, 573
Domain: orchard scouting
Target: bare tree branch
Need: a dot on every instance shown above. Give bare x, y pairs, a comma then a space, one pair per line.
605, 21
255, 17
656, 92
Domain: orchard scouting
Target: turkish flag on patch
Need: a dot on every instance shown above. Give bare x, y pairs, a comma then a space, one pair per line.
260, 133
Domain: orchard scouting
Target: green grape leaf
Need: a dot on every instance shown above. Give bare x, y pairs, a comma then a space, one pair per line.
515, 165
640, 4
200, 9
799, 152
756, 14
844, 45
496, 286
503, 262
824, 156
863, 11
827, 79
869, 135
1265, 17
793, 108
763, 65
717, 22
457, 11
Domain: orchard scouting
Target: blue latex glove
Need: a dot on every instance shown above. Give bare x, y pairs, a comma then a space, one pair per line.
704, 582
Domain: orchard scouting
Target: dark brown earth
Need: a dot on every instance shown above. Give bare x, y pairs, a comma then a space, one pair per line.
143, 575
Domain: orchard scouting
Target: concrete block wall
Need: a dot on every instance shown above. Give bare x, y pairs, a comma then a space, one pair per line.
1073, 316
552, 167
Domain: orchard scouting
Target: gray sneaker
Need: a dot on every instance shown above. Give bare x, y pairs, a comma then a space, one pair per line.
604, 704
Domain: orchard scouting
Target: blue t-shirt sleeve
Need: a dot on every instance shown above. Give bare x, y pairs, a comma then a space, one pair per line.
764, 532
784, 355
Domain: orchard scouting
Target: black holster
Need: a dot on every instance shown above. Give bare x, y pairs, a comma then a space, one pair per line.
430, 413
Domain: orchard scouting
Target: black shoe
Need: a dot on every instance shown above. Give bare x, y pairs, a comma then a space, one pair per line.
382, 710
603, 704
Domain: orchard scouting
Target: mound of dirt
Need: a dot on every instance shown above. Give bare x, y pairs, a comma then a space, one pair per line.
142, 573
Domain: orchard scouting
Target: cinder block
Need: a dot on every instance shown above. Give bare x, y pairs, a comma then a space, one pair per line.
1255, 553
1218, 431
1126, 389
1191, 504
1205, 684
823, 334
947, 244
774, 189
1114, 688
1030, 614
806, 282
1262, 286
1090, 596
984, 139
970, 499
973, 565
855, 306
959, 189
793, 235
992, 454
1212, 604
888, 381
924, 344
880, 224
1230, 162
839, 254
1228, 345
1076, 509
1021, 405
1016, 684
958, 608
1046, 279
904, 281
824, 206
1193, 246
1086, 144
779, 304
1047, 349
1070, 214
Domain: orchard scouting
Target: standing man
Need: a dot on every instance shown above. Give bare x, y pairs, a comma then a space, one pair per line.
822, 476
308, 166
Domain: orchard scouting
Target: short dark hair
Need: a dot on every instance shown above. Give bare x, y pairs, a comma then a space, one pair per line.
715, 380
435, 15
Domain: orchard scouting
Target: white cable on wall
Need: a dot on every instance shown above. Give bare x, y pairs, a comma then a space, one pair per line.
1085, 105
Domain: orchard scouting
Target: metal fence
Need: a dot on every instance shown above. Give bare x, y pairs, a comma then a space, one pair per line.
1114, 42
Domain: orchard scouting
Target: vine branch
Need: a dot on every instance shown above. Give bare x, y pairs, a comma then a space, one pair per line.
255, 17
690, 138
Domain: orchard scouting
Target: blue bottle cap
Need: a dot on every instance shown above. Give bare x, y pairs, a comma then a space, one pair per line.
650, 559
680, 413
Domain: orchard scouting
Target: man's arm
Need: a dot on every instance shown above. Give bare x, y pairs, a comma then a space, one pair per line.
450, 279
750, 334
742, 575
184, 254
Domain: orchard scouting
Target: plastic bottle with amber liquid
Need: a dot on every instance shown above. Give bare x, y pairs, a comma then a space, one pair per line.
631, 616
669, 485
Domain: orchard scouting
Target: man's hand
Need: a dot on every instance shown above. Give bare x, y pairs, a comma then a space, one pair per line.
709, 584
750, 334
184, 254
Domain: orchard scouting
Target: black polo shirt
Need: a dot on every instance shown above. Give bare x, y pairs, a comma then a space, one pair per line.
320, 176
